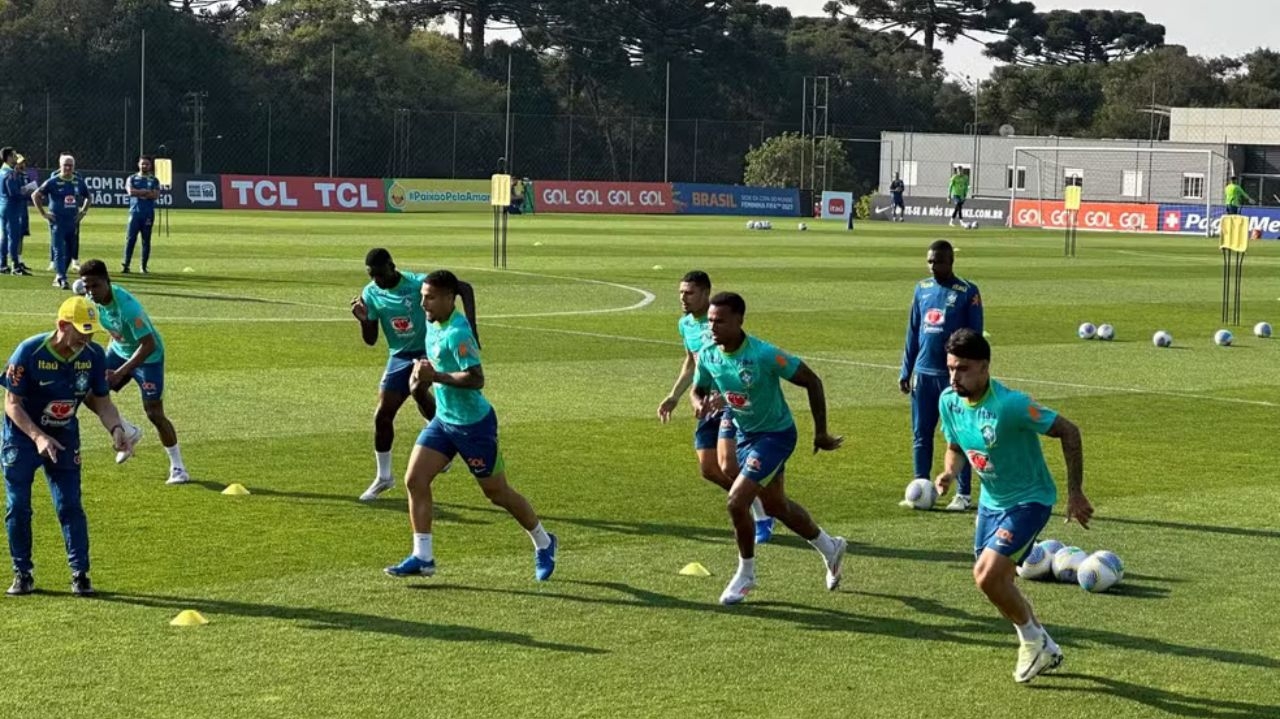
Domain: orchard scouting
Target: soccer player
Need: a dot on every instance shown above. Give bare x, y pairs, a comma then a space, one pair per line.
997, 430
69, 200
24, 217
136, 353
958, 190
48, 377
392, 300
941, 305
11, 199
714, 441
746, 373
896, 188
464, 424
1235, 196
144, 190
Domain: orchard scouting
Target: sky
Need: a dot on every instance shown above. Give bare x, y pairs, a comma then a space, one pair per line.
1192, 23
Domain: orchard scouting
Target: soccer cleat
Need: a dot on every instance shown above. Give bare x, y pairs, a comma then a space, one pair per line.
133, 433
1035, 657
75, 266
739, 587
379, 485
544, 560
412, 567
60, 283
23, 583
22, 270
80, 584
834, 568
124, 269
145, 271
4, 270
960, 503
764, 530
178, 475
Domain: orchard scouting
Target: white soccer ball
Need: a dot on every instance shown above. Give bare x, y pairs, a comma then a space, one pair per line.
1223, 338
1162, 339
1106, 333
1066, 562
1051, 547
78, 287
1263, 330
921, 494
803, 227
1098, 572
1037, 565
1087, 331
972, 225
768, 225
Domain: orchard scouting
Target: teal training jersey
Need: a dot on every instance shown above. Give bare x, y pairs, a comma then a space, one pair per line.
1000, 436
751, 381
695, 332
127, 323
452, 348
399, 312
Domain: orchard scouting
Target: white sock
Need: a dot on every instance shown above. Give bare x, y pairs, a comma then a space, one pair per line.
384, 464
823, 543
422, 547
757, 510
746, 567
175, 457
541, 540
1029, 632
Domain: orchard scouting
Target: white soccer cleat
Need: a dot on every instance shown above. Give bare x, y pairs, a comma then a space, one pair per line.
379, 485
738, 588
1036, 657
133, 433
834, 568
447, 466
960, 503
178, 475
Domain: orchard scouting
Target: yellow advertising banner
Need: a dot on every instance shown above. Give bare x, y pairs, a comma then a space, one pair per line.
414, 195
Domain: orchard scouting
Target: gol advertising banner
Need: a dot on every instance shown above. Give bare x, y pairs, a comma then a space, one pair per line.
332, 194
410, 195
1192, 219
1099, 216
631, 198
694, 199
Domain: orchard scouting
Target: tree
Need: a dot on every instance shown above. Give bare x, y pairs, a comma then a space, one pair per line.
1062, 37
1049, 100
946, 20
1168, 76
777, 163
1254, 79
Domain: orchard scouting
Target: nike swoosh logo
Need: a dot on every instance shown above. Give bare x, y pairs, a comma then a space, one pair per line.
46, 384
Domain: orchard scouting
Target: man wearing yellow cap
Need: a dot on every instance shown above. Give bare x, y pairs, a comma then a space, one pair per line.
48, 377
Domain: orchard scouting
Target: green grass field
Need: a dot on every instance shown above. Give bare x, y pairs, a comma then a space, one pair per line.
269, 385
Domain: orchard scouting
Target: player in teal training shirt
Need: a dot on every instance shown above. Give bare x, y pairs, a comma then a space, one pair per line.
392, 302
465, 424
136, 354
745, 374
714, 439
997, 431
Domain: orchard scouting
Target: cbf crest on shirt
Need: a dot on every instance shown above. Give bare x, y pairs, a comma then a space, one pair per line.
938, 309
50, 387
399, 312
750, 381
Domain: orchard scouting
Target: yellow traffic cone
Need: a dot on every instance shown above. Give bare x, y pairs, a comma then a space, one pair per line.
188, 618
695, 569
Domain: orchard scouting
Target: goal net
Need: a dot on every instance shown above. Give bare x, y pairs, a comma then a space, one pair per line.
1123, 189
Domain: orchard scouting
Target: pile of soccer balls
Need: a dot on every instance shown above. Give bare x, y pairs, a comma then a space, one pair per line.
759, 225
1162, 338
1052, 559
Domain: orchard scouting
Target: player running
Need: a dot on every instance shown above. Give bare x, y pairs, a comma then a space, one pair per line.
69, 199
144, 190
941, 305
714, 438
464, 424
745, 373
996, 429
392, 301
48, 377
136, 353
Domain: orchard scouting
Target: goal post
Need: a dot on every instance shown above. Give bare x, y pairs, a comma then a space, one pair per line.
1123, 189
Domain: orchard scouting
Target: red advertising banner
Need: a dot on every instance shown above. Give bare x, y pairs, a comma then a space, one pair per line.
632, 198
334, 194
1101, 216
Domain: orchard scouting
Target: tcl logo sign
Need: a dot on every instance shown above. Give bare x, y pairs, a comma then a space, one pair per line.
649, 198
1105, 216
302, 193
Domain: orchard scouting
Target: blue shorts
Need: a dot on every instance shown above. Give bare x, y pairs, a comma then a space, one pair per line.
399, 368
1011, 532
713, 428
763, 455
477, 443
148, 375
897, 200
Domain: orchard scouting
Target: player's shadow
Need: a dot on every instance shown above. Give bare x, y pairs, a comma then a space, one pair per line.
691, 532
328, 619
1163, 700
386, 504
1186, 527
221, 298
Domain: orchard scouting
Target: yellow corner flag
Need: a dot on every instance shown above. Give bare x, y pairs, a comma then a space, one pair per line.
1235, 233
164, 171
